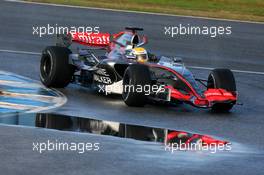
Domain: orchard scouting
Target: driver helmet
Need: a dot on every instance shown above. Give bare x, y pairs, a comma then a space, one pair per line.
140, 54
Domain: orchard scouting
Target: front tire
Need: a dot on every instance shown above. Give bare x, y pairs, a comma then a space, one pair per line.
55, 70
224, 79
135, 75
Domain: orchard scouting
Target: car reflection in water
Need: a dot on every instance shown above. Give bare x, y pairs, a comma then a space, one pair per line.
101, 127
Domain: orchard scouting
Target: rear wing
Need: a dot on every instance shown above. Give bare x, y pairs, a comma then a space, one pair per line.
89, 39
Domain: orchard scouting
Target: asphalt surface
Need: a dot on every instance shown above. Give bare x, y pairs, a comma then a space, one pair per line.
242, 50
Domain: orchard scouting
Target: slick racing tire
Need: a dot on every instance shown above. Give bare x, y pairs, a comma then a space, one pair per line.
224, 79
136, 75
55, 70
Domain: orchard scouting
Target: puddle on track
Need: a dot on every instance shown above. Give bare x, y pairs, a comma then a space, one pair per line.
103, 127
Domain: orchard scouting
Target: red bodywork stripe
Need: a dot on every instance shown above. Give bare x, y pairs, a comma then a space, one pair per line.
178, 95
214, 95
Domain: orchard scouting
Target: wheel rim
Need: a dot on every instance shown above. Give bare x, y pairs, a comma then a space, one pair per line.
126, 81
46, 67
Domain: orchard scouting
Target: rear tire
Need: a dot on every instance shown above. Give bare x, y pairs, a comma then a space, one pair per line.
55, 70
224, 79
134, 76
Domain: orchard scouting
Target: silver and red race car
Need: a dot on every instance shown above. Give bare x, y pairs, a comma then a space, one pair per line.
128, 69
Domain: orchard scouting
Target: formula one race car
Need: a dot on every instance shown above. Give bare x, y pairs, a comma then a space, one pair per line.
129, 69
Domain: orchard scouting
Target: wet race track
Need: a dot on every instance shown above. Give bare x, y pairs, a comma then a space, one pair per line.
243, 126
23, 95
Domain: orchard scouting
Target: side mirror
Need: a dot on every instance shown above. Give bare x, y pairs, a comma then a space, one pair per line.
177, 60
132, 57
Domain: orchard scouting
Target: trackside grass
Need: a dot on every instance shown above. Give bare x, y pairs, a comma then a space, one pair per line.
252, 10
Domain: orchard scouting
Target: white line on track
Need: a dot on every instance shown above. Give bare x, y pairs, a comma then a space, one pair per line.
17, 106
20, 52
132, 11
193, 67
233, 70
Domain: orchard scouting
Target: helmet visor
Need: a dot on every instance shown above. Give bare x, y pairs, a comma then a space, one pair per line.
142, 57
